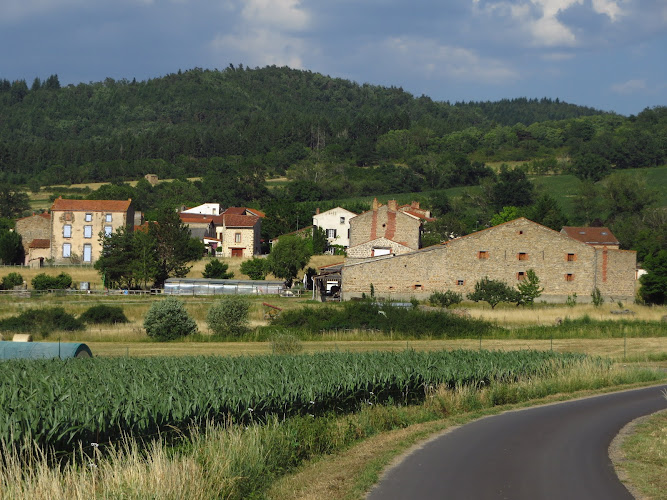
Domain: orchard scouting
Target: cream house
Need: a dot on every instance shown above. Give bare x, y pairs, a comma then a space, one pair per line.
76, 226
336, 224
238, 235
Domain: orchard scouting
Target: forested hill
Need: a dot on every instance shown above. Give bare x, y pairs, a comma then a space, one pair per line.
175, 124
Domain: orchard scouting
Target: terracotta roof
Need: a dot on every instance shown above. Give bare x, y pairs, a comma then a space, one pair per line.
91, 205
197, 218
45, 215
244, 211
231, 220
591, 235
40, 243
417, 214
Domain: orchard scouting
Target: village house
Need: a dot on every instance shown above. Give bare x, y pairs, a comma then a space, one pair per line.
336, 224
77, 224
35, 232
564, 265
387, 229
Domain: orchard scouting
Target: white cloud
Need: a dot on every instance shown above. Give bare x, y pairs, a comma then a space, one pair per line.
433, 60
268, 33
629, 87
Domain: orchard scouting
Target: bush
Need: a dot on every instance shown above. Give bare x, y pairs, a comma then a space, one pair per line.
42, 321
285, 343
446, 299
255, 268
216, 269
45, 282
229, 315
168, 320
102, 313
11, 280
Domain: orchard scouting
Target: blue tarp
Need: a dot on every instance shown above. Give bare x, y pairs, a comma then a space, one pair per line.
43, 350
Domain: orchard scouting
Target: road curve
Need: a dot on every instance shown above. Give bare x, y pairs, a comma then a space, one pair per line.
558, 451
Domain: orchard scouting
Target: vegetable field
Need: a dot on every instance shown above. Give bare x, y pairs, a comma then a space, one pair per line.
57, 404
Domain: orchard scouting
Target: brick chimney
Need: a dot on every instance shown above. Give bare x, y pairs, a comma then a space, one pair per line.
392, 205
415, 204
375, 204
317, 211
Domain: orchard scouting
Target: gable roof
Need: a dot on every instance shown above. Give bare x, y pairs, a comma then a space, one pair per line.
232, 220
244, 211
192, 218
591, 235
90, 205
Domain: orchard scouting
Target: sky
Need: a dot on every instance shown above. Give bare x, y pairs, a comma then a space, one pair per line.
606, 54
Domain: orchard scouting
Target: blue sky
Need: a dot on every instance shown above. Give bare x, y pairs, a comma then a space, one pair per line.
608, 54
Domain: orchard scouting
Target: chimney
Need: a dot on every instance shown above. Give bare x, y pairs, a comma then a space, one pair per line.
415, 204
317, 211
392, 205
375, 204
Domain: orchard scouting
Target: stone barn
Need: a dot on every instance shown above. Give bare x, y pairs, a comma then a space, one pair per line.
505, 252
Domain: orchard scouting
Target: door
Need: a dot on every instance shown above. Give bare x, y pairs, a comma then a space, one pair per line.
237, 252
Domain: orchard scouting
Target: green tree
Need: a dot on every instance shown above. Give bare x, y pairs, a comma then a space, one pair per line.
513, 188
289, 256
216, 269
144, 264
596, 297
529, 288
505, 215
493, 292
547, 212
175, 248
11, 248
654, 282
12, 202
168, 320
115, 263
229, 315
11, 280
590, 167
320, 241
626, 194
255, 268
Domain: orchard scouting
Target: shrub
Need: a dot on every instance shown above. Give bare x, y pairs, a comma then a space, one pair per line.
229, 315
42, 321
102, 313
255, 269
285, 343
216, 269
168, 320
596, 297
446, 299
45, 282
11, 280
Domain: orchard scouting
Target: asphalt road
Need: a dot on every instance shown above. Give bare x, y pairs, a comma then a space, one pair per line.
557, 451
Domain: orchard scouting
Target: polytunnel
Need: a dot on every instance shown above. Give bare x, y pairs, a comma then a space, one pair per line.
43, 350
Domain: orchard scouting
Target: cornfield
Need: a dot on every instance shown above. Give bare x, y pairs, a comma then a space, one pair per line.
61, 404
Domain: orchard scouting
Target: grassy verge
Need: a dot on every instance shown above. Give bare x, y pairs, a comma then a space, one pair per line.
643, 457
249, 461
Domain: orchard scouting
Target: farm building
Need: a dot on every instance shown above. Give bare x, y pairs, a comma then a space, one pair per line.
506, 252
205, 286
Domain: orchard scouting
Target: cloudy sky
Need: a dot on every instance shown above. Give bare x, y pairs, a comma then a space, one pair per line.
608, 54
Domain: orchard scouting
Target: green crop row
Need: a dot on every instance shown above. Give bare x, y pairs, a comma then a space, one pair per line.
58, 404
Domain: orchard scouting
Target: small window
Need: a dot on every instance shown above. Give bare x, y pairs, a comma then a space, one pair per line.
67, 231
108, 218
87, 252
571, 257
342, 220
331, 233
520, 232
89, 217
460, 282
483, 254
521, 275
87, 231
237, 237
108, 230
67, 250
417, 287
523, 256
569, 277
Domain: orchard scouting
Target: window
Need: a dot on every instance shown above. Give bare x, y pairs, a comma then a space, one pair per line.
523, 256
417, 287
237, 237
89, 217
521, 275
67, 249
107, 218
67, 231
482, 254
571, 257
569, 277
331, 233
87, 252
108, 230
87, 231
460, 282
342, 220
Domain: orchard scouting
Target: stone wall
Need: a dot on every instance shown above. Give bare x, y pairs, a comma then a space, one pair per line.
35, 227
385, 222
366, 250
506, 252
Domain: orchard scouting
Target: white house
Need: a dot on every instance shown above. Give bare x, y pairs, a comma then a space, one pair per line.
336, 223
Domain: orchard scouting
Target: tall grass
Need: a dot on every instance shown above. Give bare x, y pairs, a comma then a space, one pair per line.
239, 462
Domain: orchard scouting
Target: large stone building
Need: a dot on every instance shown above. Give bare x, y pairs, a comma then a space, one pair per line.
386, 229
77, 224
506, 252
35, 232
